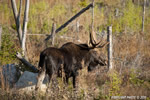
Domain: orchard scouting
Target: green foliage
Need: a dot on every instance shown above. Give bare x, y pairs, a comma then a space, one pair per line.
38, 7
41, 14
46, 27
133, 78
5, 13
32, 26
101, 96
147, 98
36, 16
110, 19
4, 8
70, 87
14, 26
99, 14
115, 84
82, 94
8, 50
74, 10
62, 32
129, 20
132, 16
57, 11
83, 3
60, 83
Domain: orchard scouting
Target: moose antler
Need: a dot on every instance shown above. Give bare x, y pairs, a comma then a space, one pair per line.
92, 41
94, 44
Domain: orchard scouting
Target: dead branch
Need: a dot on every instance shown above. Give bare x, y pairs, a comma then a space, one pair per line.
71, 19
26, 63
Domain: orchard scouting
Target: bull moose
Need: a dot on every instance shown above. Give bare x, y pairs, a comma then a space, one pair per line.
68, 58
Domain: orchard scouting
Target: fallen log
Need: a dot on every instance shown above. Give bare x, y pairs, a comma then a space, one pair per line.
26, 63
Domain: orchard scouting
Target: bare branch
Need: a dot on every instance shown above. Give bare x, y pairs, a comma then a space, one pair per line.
15, 12
52, 33
26, 63
25, 22
71, 19
18, 20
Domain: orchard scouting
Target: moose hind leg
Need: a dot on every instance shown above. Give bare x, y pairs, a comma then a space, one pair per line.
40, 79
50, 76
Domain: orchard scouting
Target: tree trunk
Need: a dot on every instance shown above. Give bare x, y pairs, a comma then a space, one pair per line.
17, 19
53, 33
110, 46
77, 30
25, 26
22, 34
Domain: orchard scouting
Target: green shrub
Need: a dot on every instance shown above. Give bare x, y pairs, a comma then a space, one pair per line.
134, 79
5, 15
130, 19
41, 15
36, 16
8, 50
115, 84
132, 16
57, 11
83, 3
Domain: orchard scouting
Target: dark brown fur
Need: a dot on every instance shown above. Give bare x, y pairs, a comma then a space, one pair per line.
70, 55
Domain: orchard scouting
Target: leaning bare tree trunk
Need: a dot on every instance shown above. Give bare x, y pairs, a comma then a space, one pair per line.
25, 26
70, 20
109, 39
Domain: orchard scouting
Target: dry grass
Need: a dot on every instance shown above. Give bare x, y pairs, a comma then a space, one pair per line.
131, 63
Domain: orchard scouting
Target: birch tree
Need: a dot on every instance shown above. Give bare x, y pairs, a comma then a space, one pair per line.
17, 15
22, 32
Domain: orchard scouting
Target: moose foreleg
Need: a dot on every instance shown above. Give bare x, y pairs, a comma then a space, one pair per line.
74, 81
